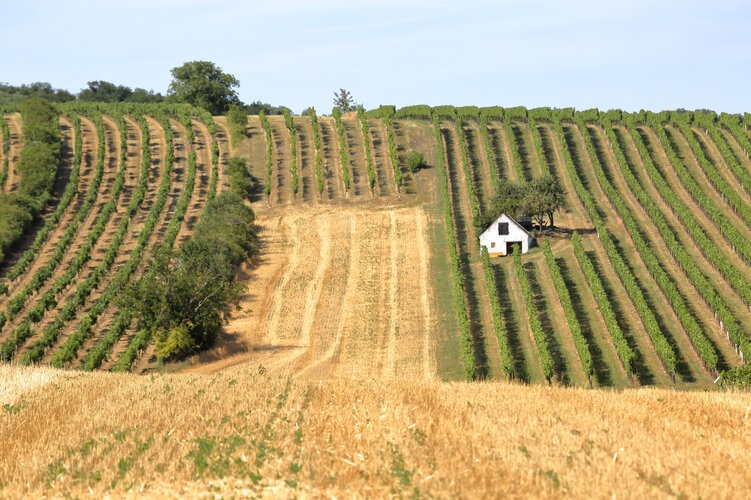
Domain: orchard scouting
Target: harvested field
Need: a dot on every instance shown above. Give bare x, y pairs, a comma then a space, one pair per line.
343, 293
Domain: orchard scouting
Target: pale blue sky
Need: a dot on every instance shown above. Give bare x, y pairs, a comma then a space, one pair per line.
630, 55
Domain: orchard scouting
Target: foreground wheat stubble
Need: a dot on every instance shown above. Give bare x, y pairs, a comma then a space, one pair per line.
242, 432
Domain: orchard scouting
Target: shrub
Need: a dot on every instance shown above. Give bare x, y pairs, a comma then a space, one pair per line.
240, 179
415, 161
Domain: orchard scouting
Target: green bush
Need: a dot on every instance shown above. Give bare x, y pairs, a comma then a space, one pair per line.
736, 378
240, 180
238, 120
415, 161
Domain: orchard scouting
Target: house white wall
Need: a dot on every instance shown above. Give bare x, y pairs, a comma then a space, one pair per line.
497, 243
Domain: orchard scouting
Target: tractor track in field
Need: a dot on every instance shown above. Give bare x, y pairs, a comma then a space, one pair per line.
16, 144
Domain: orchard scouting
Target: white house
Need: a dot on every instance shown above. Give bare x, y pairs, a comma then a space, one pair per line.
503, 234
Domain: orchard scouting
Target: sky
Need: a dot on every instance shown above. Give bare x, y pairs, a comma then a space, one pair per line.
630, 55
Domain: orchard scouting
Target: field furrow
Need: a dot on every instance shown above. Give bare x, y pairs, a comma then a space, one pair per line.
282, 178
332, 170
689, 367
306, 159
699, 310
382, 162
356, 157
16, 144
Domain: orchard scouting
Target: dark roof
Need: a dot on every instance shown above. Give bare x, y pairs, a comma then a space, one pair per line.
515, 223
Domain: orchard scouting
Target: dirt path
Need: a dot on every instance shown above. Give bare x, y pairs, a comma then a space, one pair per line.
325, 300
386, 184
501, 150
330, 153
690, 368
360, 189
16, 144
701, 312
478, 164
729, 296
701, 217
282, 179
225, 152
485, 344
306, 159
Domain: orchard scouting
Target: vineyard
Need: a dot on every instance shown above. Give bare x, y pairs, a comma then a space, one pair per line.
367, 269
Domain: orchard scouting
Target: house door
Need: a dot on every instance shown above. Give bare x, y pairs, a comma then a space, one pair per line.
510, 247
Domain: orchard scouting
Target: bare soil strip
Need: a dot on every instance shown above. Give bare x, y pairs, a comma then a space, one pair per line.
690, 367
502, 152
320, 298
225, 152
478, 164
282, 160
381, 161
253, 147
16, 144
306, 158
332, 164
360, 189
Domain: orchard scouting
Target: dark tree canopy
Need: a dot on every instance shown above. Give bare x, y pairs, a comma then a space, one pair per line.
539, 199
10, 94
101, 91
203, 84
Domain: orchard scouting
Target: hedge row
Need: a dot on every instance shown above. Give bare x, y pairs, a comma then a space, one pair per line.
677, 301
568, 308
416, 112
515, 157
387, 118
468, 358
495, 175
476, 212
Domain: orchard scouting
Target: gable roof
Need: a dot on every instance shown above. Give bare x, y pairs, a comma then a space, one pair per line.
512, 220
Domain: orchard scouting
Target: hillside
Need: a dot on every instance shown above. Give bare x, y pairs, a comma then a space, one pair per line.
368, 270
255, 431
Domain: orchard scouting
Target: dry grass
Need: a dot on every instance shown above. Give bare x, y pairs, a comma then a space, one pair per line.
337, 292
246, 432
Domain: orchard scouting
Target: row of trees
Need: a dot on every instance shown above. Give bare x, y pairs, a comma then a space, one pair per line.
343, 154
365, 129
293, 150
269, 154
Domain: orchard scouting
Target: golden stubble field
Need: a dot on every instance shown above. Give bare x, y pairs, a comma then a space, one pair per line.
336, 292
247, 432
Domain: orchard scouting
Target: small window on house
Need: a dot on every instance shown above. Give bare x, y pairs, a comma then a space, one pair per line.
503, 228
492, 244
